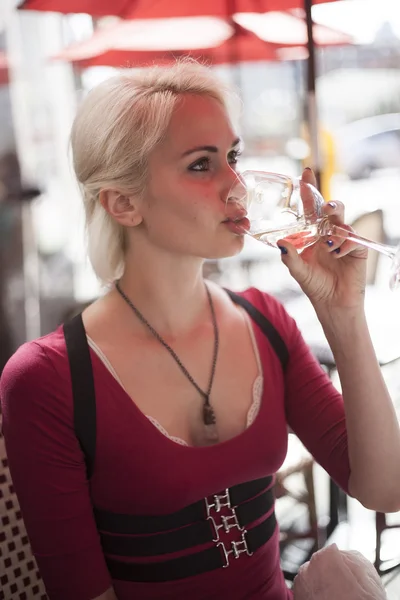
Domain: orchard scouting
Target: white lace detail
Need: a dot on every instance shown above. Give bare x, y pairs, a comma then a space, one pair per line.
258, 384
177, 440
104, 359
254, 409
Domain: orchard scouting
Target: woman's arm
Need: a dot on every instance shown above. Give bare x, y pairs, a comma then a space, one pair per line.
372, 427
48, 471
314, 408
333, 277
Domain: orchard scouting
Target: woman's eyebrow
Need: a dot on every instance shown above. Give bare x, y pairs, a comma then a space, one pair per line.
214, 149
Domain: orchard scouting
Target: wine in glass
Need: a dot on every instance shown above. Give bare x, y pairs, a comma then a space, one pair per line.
280, 207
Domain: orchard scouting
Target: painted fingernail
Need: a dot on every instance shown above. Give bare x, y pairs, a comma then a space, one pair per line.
337, 250
332, 204
283, 249
330, 243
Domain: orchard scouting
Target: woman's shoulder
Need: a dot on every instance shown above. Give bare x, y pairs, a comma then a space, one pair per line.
38, 363
270, 307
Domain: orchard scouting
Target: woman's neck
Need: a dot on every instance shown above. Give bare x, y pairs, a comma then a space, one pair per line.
170, 293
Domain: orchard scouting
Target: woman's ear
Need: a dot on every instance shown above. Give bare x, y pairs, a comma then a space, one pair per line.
124, 209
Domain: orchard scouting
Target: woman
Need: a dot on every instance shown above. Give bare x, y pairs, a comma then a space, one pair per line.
192, 402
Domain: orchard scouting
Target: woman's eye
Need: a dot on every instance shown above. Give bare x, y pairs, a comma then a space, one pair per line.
233, 157
204, 164
200, 165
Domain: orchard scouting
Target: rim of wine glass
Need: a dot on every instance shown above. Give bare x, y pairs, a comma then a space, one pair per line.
279, 177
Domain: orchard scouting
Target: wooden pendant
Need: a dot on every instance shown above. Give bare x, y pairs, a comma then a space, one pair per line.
210, 422
209, 417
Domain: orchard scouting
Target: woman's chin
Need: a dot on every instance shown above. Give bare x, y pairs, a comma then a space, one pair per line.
228, 249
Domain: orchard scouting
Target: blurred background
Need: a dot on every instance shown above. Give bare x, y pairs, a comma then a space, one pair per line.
330, 101
46, 67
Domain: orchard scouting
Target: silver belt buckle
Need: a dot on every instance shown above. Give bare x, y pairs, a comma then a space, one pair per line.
237, 548
227, 523
220, 501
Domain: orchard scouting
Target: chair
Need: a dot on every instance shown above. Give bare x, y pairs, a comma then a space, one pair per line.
19, 575
381, 525
297, 543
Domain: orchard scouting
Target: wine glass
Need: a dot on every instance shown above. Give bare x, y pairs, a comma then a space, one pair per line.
271, 207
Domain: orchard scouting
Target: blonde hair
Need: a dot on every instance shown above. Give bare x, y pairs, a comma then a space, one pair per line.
117, 126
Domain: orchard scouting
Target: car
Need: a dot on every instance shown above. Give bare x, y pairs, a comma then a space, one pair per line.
369, 144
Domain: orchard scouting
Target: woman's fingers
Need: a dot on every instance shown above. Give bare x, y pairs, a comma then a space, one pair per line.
349, 247
335, 211
340, 246
309, 177
337, 246
308, 195
332, 244
290, 257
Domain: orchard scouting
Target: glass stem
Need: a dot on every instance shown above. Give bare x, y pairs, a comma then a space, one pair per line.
327, 228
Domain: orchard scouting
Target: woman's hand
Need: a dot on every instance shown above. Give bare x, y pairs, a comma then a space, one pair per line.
332, 272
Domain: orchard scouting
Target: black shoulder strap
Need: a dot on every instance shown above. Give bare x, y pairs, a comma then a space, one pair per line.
266, 327
83, 392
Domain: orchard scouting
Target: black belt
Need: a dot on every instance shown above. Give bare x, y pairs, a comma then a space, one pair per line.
194, 564
146, 524
199, 532
208, 520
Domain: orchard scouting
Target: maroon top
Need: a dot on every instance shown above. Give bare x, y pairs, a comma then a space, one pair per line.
138, 470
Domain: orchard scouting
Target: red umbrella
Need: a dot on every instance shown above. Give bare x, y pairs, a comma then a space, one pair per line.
242, 46
157, 9
160, 9
138, 42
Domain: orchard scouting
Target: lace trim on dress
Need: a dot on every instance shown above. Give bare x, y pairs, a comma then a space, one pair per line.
160, 428
256, 404
104, 359
258, 384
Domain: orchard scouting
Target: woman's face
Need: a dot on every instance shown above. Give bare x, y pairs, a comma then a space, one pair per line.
190, 175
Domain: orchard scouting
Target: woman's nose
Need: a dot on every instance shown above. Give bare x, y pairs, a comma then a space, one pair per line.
235, 197
235, 192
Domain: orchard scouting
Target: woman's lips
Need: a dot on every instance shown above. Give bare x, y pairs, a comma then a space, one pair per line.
238, 226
